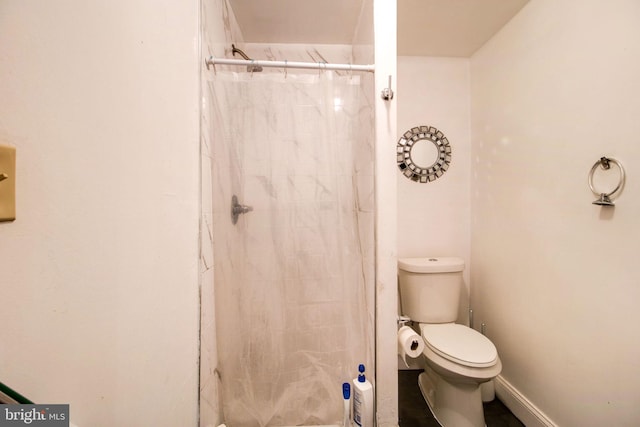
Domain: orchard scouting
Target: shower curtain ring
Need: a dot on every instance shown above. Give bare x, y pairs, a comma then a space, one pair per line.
286, 67
320, 65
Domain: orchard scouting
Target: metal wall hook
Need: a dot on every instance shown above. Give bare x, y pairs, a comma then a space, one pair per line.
604, 199
387, 93
3, 176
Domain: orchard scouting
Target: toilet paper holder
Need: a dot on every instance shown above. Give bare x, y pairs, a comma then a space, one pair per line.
403, 320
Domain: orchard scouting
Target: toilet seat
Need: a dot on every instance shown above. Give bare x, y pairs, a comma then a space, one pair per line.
459, 344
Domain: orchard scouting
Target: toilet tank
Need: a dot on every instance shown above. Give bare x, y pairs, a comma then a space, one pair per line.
430, 288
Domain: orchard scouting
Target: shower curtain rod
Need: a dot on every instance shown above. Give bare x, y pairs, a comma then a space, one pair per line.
291, 64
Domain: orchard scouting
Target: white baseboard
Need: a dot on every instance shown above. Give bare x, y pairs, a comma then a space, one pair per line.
521, 407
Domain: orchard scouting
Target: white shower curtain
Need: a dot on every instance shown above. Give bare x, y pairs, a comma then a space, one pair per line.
294, 277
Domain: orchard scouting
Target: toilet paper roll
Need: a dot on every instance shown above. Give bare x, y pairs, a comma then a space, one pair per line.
409, 343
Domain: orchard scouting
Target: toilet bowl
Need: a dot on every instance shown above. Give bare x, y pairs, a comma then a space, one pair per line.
458, 358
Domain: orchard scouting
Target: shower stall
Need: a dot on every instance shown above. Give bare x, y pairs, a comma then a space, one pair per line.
288, 237
294, 276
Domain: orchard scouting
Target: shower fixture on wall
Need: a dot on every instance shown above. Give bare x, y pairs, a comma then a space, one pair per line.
251, 68
237, 209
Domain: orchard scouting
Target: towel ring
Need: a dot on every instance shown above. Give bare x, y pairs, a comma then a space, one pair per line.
605, 198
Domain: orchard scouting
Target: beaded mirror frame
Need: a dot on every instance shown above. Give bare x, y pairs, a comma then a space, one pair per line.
420, 172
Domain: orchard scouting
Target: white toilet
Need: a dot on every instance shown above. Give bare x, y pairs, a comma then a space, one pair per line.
458, 358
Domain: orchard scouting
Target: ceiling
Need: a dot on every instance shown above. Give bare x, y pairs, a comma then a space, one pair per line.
450, 27
297, 21
425, 27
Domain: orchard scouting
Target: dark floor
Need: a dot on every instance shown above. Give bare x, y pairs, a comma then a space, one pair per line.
414, 411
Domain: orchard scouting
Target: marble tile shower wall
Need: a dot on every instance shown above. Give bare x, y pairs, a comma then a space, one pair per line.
282, 155
219, 29
290, 274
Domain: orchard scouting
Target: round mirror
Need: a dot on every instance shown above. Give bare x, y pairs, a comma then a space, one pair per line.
424, 154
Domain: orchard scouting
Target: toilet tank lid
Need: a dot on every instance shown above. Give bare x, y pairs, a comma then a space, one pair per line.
431, 264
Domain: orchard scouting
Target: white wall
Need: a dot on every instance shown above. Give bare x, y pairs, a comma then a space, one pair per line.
554, 277
385, 25
433, 218
99, 283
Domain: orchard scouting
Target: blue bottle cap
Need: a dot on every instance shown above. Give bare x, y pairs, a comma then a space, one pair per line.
361, 377
346, 391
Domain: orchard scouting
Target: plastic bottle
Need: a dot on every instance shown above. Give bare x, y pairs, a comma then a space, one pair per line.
346, 398
362, 400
